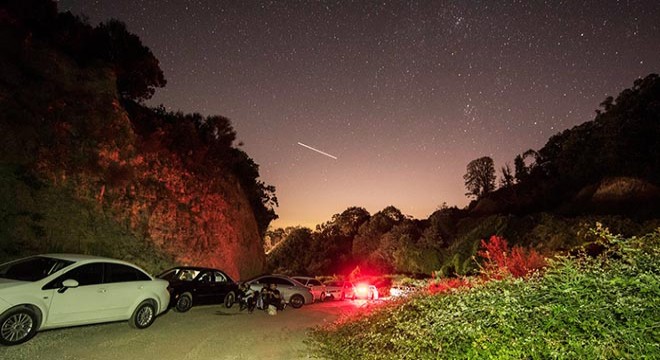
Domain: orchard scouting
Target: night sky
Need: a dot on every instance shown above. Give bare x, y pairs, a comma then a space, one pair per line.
403, 93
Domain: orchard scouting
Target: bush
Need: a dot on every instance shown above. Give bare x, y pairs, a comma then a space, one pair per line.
500, 261
606, 307
448, 284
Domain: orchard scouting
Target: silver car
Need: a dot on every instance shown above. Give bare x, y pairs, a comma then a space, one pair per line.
316, 287
293, 292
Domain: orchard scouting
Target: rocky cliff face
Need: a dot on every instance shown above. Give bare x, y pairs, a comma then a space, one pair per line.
68, 139
206, 223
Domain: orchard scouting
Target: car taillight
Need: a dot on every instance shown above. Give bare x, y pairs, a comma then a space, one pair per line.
362, 289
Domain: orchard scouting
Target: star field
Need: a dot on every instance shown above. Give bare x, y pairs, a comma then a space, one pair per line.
404, 93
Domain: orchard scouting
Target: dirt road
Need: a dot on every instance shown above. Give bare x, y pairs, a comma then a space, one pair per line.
206, 332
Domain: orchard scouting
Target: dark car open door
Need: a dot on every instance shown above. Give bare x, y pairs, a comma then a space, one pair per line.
222, 285
204, 288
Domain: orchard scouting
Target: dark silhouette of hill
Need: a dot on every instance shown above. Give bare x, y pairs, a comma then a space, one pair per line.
86, 167
610, 165
605, 171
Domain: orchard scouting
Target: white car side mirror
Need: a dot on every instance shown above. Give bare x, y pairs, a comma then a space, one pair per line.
68, 283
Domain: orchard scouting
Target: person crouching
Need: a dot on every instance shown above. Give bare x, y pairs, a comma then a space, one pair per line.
247, 298
272, 299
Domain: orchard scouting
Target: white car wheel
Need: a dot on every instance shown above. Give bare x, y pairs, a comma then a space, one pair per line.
143, 316
18, 326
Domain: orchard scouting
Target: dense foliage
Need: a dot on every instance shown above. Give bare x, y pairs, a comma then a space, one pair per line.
204, 144
73, 120
605, 170
607, 307
621, 142
480, 177
445, 243
137, 70
500, 261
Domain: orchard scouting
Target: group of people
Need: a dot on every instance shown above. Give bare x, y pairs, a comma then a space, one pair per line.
268, 298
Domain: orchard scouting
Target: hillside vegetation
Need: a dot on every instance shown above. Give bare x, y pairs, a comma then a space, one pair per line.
606, 170
607, 307
87, 167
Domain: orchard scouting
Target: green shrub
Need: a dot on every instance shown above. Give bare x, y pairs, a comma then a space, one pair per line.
581, 308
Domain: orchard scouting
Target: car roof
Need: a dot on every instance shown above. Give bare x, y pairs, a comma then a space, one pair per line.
77, 257
197, 268
304, 277
84, 258
341, 282
273, 275
286, 277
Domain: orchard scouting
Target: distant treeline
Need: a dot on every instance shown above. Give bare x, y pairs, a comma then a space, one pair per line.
606, 170
622, 141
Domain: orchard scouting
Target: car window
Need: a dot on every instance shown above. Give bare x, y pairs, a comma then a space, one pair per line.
314, 282
206, 276
169, 274
333, 283
220, 277
273, 280
300, 280
266, 280
33, 268
187, 275
88, 274
280, 281
122, 273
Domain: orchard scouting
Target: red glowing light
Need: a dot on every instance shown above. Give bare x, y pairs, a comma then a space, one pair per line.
362, 289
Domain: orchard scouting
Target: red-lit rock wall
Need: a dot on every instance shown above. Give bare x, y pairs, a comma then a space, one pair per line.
68, 127
196, 219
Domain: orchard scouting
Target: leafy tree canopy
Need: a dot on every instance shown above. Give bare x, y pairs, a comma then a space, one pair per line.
480, 177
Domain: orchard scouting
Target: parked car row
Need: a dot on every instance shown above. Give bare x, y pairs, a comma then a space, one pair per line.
59, 290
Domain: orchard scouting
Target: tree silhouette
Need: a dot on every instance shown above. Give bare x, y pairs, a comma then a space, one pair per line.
522, 169
293, 254
137, 69
370, 233
507, 179
480, 177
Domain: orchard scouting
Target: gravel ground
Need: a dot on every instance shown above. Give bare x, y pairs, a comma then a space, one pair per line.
205, 332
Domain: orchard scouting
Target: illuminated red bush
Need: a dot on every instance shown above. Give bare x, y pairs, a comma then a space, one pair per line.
441, 286
500, 261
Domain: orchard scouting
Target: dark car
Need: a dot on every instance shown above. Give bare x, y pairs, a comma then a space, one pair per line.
191, 286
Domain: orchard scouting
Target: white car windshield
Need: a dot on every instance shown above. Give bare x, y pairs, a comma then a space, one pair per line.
32, 268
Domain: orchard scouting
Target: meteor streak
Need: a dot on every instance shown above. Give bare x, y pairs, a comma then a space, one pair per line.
318, 151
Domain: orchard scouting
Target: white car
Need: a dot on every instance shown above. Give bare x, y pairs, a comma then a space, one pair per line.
347, 290
293, 292
58, 290
316, 287
365, 291
401, 290
339, 290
